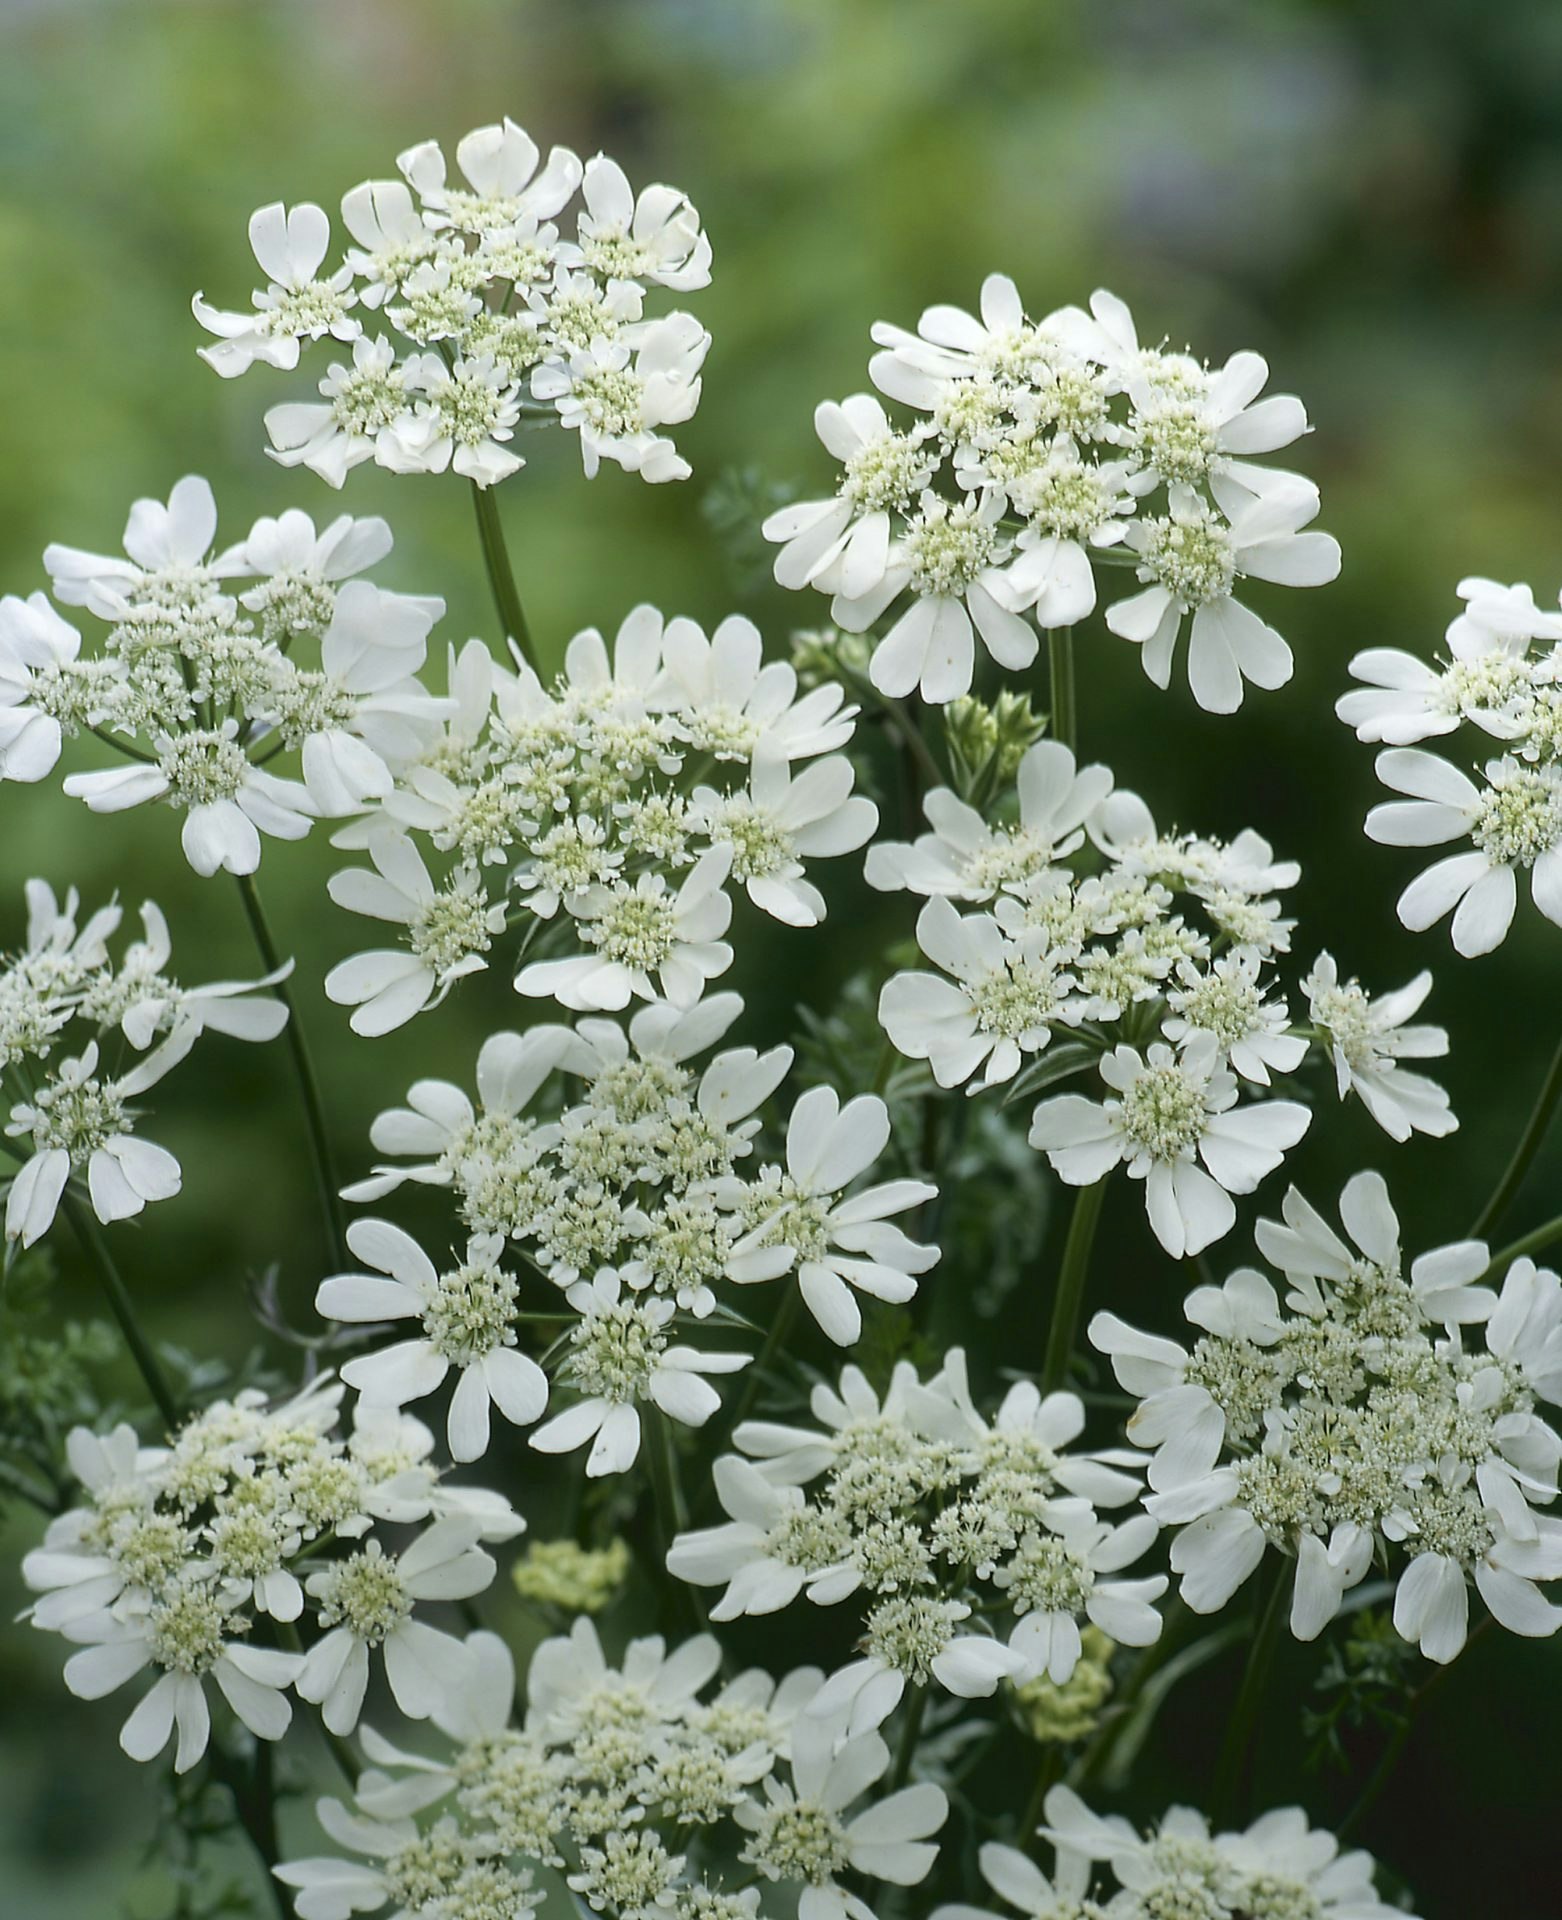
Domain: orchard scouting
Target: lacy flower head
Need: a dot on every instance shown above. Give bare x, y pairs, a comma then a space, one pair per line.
970, 1546
1503, 678
604, 1182
470, 315
203, 675
608, 820
1279, 1866
1041, 452
68, 1013
649, 1787
1378, 1418
257, 1512
1090, 940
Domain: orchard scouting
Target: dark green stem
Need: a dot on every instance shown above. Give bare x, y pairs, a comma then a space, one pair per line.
1535, 1241
501, 579
1250, 1695
326, 1182
910, 1733
1070, 1296
1529, 1145
254, 1802
1046, 1778
85, 1226
1060, 666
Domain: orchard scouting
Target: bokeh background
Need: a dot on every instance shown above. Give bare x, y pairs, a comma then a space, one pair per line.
1369, 194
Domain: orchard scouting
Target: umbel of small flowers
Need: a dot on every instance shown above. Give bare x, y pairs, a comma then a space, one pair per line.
1098, 942
211, 665
67, 1009
468, 314
1040, 452
633, 1780
1280, 1865
181, 1557
1503, 679
1377, 1418
603, 1172
971, 1546
609, 818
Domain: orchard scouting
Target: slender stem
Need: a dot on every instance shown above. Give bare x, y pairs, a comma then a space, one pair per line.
1060, 666
1529, 1145
501, 579
326, 1181
1070, 1296
780, 1328
910, 1732
672, 1512
1250, 1695
1534, 1241
341, 1752
254, 1802
84, 1224
1046, 1778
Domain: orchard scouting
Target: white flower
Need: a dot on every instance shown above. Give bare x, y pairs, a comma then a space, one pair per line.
952, 557
653, 237
169, 556
367, 403
1488, 680
1192, 559
762, 1554
639, 931
295, 304
465, 414
1055, 1577
449, 930
616, 393
1006, 994
78, 1121
1515, 820
467, 1318
1228, 999
37, 648
835, 1243
391, 234
1367, 1039
1024, 1886
620, 1357
1171, 1111
769, 830
728, 699
503, 181
187, 1632
140, 999
366, 1601
227, 801
968, 858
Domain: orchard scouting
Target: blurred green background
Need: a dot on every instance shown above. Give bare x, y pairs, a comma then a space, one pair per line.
1368, 194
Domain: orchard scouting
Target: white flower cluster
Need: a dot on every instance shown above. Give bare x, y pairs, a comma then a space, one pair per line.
1353, 1427
72, 1116
1279, 1868
1503, 677
629, 1199
1044, 450
1157, 969
608, 815
632, 1786
200, 689
185, 1557
948, 1528
466, 311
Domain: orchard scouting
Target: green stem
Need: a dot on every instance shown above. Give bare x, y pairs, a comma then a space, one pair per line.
501, 579
1250, 1695
85, 1226
910, 1732
779, 1331
341, 1752
1529, 1145
1060, 667
254, 1802
1537, 1239
326, 1182
1046, 1778
1070, 1295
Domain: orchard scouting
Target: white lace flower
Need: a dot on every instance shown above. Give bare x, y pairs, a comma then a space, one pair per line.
616, 393
1171, 1111
465, 414
467, 1322
168, 557
37, 701
1514, 821
835, 1241
728, 699
503, 183
1229, 999
295, 305
1010, 986
449, 931
1368, 1039
366, 404
655, 236
779, 822
1192, 558
81, 1122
